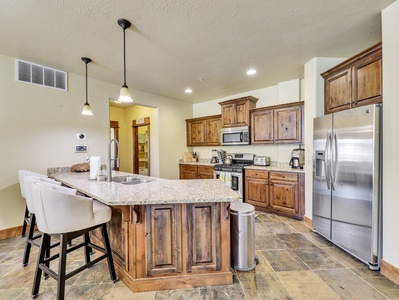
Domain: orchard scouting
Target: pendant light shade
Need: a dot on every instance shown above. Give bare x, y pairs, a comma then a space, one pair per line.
124, 95
86, 107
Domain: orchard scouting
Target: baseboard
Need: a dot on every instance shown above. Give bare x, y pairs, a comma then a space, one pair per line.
10, 232
389, 271
308, 222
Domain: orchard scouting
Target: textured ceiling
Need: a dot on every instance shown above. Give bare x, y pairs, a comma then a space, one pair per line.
203, 44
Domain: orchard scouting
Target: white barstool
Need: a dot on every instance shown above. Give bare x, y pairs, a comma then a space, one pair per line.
25, 181
21, 175
65, 217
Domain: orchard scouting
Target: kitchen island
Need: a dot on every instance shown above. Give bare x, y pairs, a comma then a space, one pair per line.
164, 234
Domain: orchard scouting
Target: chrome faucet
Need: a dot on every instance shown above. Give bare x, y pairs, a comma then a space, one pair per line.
116, 160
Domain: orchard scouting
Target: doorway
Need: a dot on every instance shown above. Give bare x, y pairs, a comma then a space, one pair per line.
141, 146
114, 134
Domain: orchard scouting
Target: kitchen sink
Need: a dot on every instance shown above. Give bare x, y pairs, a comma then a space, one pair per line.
130, 179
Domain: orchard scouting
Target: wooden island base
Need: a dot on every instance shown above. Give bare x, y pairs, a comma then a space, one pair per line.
171, 246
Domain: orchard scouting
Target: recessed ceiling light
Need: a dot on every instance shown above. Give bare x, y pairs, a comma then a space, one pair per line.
251, 72
188, 91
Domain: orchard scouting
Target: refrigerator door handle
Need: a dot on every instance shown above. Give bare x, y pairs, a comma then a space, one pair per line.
327, 159
334, 161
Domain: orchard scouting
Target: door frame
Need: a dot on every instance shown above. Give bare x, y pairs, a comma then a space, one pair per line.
135, 125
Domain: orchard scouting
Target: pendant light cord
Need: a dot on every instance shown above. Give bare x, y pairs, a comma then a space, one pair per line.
124, 57
86, 84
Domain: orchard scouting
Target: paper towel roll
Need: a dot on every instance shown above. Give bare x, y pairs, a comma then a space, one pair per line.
95, 166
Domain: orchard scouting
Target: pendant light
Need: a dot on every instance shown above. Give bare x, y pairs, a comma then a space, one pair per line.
86, 107
124, 95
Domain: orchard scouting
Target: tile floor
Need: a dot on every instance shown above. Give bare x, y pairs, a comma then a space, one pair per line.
295, 263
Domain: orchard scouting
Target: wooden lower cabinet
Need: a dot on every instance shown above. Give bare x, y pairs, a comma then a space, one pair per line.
278, 192
196, 172
171, 246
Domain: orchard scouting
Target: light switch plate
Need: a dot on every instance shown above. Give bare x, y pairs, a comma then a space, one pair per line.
81, 149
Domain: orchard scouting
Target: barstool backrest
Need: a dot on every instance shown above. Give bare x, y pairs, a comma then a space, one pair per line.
59, 212
51, 183
22, 174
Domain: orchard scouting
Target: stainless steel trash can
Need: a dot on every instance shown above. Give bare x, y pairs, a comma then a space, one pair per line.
242, 226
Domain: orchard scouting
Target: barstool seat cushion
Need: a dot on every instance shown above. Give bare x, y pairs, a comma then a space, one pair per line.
28, 181
21, 176
58, 212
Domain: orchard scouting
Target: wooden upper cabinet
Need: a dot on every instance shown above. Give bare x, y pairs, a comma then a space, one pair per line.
355, 82
235, 113
204, 131
279, 124
288, 125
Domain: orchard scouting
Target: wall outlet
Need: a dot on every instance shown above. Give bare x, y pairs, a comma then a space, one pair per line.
81, 149
81, 136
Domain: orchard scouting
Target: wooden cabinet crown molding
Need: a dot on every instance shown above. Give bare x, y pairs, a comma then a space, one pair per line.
242, 99
291, 104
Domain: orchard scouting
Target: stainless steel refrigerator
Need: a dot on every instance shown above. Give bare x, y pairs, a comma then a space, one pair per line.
347, 181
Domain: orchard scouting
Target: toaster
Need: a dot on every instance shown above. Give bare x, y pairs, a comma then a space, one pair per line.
262, 161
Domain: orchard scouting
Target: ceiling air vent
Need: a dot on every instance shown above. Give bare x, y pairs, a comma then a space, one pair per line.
40, 75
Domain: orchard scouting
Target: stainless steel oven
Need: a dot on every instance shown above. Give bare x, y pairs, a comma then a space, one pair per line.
237, 181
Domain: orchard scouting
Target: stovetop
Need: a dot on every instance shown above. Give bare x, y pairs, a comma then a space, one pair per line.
240, 160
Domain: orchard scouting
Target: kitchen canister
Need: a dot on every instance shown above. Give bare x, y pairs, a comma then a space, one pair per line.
95, 166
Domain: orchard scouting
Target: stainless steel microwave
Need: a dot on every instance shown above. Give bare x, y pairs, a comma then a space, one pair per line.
235, 136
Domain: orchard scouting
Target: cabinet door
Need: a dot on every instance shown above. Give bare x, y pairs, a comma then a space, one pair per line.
205, 172
367, 80
242, 114
288, 125
195, 133
188, 172
163, 239
338, 91
203, 237
257, 191
212, 137
262, 127
228, 115
284, 196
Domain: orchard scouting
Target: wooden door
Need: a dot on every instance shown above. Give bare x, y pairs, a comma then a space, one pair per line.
241, 114
262, 127
196, 133
228, 115
205, 172
338, 91
188, 172
257, 191
203, 237
163, 239
367, 80
284, 196
288, 125
212, 137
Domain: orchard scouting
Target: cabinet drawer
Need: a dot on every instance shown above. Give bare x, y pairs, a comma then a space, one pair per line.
190, 168
257, 174
205, 169
283, 176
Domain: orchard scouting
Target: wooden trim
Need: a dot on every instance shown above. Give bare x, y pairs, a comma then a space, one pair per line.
291, 104
308, 222
247, 98
389, 271
204, 118
135, 126
10, 232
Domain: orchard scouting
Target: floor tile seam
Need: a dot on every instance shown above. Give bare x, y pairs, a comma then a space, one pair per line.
12, 270
285, 286
242, 288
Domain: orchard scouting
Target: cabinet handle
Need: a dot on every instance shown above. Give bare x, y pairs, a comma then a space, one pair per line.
283, 176
227, 213
137, 214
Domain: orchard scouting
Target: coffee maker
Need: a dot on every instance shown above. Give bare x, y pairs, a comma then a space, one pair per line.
297, 158
214, 158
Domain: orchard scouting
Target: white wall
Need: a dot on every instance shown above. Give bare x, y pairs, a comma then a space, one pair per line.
283, 92
38, 127
390, 50
314, 95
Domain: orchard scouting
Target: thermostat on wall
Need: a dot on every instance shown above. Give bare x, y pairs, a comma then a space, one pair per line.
80, 149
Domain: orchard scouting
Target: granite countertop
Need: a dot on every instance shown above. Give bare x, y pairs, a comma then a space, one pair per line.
201, 162
157, 191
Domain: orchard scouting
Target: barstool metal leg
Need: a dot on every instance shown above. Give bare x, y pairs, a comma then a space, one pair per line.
28, 245
25, 223
45, 242
88, 249
62, 267
107, 247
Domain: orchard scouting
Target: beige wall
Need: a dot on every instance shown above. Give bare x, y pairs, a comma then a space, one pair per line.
390, 50
38, 129
283, 92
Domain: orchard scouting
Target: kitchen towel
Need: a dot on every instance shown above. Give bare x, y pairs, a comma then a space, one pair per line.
222, 175
95, 166
227, 179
